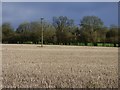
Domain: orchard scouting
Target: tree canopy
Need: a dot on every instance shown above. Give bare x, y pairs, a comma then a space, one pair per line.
62, 30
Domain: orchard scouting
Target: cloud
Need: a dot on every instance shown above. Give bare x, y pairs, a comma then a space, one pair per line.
60, 0
0, 13
19, 12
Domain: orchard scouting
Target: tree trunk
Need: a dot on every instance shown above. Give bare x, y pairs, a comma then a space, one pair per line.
114, 44
95, 44
86, 43
118, 44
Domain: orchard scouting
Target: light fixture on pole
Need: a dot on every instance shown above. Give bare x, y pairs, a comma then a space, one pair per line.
42, 32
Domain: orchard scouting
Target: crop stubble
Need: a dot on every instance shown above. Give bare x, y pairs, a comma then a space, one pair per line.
59, 66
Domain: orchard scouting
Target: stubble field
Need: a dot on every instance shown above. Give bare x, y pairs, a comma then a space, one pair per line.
30, 66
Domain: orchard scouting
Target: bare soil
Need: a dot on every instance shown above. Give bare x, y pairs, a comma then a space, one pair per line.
31, 66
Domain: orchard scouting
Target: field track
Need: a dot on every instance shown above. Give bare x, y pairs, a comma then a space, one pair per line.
56, 66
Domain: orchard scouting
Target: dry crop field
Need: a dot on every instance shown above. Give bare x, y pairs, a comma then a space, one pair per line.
59, 66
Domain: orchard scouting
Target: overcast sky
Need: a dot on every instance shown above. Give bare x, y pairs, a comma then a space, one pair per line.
18, 12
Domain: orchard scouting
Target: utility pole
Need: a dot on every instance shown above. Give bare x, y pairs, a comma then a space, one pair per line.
42, 32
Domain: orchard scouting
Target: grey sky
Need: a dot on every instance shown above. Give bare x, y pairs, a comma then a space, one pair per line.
19, 12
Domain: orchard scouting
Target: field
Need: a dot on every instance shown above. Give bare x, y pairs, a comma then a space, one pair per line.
55, 66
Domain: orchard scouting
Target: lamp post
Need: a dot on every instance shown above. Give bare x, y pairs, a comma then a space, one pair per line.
42, 32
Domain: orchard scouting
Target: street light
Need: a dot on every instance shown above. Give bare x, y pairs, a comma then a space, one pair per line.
42, 32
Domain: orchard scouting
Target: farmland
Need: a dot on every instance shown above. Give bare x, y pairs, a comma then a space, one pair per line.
55, 66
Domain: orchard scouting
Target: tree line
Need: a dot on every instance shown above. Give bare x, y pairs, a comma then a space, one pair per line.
62, 30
